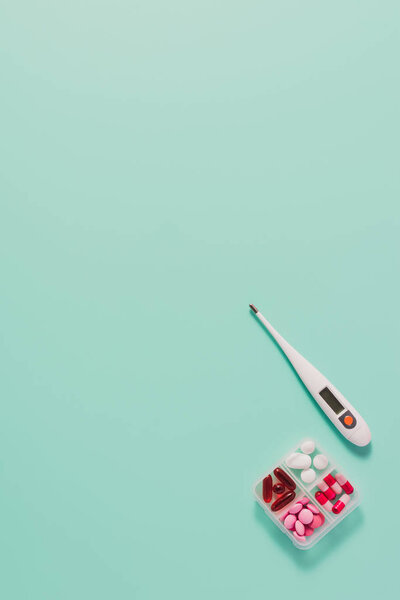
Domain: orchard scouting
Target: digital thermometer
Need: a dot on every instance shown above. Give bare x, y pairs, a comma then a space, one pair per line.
349, 422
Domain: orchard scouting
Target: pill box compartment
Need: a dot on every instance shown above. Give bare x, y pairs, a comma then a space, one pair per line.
306, 490
354, 496
319, 473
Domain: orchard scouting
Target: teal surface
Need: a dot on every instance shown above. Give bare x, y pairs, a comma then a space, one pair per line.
163, 164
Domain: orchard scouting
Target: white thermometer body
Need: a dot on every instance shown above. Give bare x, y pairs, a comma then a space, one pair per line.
342, 414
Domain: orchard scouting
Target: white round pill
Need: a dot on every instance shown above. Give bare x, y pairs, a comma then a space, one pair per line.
308, 447
308, 475
298, 461
320, 462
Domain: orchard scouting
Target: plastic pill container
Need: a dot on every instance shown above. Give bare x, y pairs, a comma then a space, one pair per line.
274, 489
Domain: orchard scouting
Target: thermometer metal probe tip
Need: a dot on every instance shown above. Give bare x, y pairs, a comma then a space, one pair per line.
253, 308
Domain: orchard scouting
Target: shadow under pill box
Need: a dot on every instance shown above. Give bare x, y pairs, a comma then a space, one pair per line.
306, 494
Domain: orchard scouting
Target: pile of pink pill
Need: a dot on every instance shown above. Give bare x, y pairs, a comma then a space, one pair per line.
302, 518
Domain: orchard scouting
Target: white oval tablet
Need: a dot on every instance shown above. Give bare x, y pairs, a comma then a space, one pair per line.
308, 475
320, 462
298, 461
308, 447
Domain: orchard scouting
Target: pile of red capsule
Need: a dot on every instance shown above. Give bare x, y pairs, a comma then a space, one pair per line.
302, 518
330, 486
284, 489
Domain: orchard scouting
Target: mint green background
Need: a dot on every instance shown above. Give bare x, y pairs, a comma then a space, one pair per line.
163, 164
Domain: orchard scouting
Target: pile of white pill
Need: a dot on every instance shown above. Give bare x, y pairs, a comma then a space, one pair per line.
302, 460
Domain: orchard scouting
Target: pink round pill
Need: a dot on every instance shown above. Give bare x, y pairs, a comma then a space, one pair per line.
283, 516
304, 500
308, 530
301, 538
305, 516
317, 521
299, 527
295, 508
313, 508
289, 522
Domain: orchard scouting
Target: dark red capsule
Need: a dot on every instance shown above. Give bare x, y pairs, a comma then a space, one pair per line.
284, 478
283, 501
278, 488
267, 489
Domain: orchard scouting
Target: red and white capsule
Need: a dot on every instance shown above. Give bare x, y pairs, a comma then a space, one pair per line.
340, 504
324, 487
346, 485
323, 500
331, 481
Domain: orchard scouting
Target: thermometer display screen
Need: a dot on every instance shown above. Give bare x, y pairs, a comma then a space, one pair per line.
331, 400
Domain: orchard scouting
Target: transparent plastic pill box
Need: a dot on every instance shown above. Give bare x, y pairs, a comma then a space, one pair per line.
307, 491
